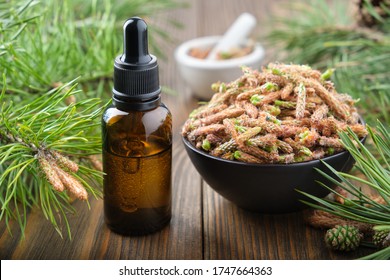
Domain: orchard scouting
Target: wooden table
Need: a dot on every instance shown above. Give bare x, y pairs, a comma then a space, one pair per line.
204, 225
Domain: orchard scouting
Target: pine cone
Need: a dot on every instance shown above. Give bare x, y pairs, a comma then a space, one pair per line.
381, 238
343, 238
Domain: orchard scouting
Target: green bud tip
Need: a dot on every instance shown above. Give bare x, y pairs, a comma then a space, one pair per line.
327, 74
268, 86
276, 72
237, 155
301, 87
222, 87
303, 135
285, 104
240, 128
215, 87
256, 99
206, 145
274, 110
306, 151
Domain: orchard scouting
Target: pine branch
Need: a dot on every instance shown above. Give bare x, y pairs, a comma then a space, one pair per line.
376, 170
49, 129
40, 144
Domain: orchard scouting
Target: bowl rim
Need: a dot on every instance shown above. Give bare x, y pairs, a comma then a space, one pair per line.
181, 55
266, 165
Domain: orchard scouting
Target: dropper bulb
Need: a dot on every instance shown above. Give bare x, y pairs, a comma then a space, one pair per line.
135, 43
135, 71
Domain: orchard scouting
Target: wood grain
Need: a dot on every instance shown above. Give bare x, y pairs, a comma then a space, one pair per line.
233, 233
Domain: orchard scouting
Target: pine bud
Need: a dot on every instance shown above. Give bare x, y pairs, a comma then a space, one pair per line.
206, 145
71, 183
301, 102
247, 158
97, 164
268, 87
50, 174
343, 238
226, 147
64, 161
327, 74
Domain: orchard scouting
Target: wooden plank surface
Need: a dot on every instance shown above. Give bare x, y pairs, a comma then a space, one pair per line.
233, 233
204, 225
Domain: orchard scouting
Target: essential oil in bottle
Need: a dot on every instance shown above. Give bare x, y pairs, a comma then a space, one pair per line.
137, 141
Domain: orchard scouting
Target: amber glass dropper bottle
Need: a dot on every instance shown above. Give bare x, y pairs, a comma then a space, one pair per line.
137, 141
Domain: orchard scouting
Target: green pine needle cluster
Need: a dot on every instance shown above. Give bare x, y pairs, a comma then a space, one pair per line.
47, 43
325, 34
45, 123
376, 171
45, 47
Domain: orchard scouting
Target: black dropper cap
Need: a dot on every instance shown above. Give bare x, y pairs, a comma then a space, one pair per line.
136, 76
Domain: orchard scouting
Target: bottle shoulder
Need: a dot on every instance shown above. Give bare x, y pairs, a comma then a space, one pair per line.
136, 133
112, 114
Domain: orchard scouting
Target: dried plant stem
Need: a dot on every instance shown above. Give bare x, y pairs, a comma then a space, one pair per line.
301, 102
324, 220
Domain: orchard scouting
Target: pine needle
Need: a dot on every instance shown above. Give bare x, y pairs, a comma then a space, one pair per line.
363, 208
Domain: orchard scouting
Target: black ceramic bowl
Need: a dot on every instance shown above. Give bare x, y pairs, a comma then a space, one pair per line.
266, 188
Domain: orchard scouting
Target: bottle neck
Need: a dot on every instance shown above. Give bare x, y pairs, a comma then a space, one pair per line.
136, 105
